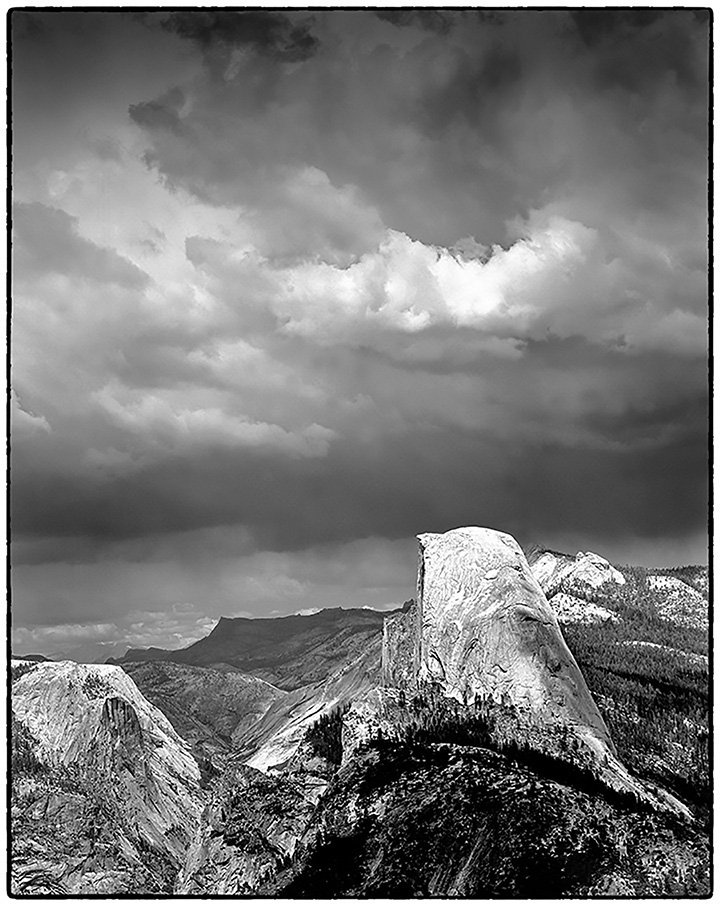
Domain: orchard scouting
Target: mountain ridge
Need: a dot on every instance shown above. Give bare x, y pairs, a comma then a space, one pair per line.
290, 652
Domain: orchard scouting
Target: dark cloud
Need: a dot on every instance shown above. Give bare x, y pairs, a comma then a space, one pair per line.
433, 20
26, 24
596, 25
474, 94
47, 240
440, 21
396, 486
510, 116
154, 115
274, 34
640, 52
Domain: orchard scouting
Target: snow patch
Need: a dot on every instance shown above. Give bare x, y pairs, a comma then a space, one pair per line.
569, 609
697, 660
680, 604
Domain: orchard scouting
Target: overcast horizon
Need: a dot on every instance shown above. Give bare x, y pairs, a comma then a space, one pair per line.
291, 288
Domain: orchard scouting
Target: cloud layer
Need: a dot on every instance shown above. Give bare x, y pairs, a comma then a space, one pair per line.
285, 282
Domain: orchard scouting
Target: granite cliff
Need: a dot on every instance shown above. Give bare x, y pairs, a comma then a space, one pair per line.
482, 630
93, 719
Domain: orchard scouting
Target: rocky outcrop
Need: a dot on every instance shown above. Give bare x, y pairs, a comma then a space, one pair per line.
482, 629
369, 716
485, 629
248, 830
561, 572
400, 663
93, 719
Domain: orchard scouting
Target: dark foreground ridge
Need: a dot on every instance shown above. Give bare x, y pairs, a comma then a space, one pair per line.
440, 820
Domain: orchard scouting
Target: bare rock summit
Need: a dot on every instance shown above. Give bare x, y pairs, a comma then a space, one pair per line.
555, 572
94, 719
487, 630
482, 628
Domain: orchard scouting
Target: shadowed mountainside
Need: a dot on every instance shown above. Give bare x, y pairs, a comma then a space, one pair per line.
289, 652
438, 820
212, 708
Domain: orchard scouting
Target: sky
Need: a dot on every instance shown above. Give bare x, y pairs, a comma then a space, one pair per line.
291, 288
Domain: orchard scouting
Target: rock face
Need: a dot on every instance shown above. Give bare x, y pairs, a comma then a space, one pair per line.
273, 741
248, 830
399, 651
93, 718
485, 629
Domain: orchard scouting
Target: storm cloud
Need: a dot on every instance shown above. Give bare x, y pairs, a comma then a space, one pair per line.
290, 288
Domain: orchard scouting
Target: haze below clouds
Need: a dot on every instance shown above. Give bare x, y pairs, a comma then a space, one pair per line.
292, 288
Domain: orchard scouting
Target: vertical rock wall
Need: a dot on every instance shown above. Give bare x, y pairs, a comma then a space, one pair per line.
487, 631
400, 649
482, 628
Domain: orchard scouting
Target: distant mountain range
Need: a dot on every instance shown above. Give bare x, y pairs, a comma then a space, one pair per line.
91, 652
289, 652
86, 653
